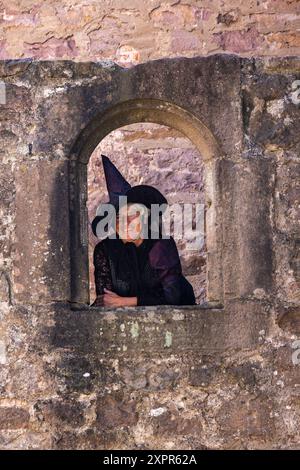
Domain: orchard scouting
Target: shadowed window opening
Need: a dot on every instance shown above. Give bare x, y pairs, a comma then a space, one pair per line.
165, 135
157, 155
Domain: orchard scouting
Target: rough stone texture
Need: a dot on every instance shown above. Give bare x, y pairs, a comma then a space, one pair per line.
113, 381
13, 418
133, 32
221, 375
130, 33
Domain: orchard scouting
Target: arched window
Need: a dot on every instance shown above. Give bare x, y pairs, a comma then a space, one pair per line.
203, 143
163, 157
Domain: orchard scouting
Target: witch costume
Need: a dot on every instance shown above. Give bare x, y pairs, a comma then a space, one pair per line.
152, 271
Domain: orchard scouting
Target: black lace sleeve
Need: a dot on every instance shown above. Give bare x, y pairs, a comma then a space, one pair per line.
101, 272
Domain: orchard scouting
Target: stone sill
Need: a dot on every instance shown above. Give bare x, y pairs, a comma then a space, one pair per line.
159, 308
111, 332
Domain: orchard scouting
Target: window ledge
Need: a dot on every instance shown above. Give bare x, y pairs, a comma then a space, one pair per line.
160, 329
203, 306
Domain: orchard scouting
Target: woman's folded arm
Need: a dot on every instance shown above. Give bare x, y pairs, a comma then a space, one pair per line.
101, 273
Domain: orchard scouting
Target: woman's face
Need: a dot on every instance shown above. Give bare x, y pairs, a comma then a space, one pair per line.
129, 222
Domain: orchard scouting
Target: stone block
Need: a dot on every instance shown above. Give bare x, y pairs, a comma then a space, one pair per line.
13, 418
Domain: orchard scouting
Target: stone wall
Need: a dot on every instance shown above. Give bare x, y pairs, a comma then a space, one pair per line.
225, 375
152, 379
131, 32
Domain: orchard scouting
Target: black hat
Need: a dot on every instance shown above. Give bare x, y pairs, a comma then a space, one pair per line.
145, 194
118, 186
115, 182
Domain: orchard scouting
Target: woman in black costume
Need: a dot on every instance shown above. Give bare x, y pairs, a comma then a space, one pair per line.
132, 269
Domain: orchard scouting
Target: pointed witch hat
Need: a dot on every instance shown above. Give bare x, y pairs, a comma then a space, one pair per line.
116, 186
115, 182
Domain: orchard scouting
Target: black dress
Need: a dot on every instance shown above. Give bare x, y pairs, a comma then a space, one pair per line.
151, 272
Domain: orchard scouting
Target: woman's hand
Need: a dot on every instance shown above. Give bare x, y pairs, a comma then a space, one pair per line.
111, 299
99, 301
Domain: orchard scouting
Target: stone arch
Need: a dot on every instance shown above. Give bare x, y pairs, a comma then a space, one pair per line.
130, 112
146, 110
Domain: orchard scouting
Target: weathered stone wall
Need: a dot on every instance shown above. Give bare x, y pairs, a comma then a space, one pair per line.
222, 376
153, 379
131, 32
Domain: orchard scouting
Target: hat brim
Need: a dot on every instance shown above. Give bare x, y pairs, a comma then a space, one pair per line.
146, 195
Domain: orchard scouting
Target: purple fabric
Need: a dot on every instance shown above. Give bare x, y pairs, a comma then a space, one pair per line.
164, 258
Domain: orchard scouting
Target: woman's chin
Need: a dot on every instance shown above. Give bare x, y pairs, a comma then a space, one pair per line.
128, 239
